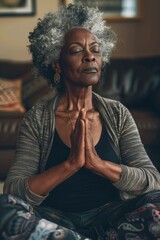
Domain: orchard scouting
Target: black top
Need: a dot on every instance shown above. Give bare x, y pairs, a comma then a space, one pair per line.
84, 190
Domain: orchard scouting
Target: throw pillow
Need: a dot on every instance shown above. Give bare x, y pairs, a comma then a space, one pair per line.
10, 95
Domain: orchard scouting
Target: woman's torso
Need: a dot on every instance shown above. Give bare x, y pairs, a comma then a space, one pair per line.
84, 190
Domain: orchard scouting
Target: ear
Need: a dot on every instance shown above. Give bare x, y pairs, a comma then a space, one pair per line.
56, 67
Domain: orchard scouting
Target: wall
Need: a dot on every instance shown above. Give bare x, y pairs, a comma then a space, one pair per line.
135, 38
140, 38
14, 31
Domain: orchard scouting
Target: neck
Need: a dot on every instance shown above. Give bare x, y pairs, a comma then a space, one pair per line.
76, 100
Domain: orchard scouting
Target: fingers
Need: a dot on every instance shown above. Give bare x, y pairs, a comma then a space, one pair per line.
87, 135
82, 115
82, 131
78, 142
78, 133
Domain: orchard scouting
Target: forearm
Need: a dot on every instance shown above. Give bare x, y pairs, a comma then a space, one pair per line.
137, 181
107, 169
130, 180
42, 184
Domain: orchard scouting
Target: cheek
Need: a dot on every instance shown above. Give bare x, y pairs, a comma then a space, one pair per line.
69, 72
70, 66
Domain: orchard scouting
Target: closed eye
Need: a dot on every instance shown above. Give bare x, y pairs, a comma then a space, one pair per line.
75, 50
95, 49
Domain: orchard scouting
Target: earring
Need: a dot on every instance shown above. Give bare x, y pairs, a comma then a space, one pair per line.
57, 77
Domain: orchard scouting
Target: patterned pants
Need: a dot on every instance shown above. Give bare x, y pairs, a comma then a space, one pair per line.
135, 219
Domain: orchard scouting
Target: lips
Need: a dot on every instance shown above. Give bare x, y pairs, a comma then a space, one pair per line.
90, 70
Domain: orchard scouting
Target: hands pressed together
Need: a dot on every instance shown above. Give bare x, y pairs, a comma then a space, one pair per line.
83, 153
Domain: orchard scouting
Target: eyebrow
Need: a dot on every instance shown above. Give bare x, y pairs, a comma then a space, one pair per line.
78, 43
92, 43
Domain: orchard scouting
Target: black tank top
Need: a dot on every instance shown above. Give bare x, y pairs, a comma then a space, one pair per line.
84, 190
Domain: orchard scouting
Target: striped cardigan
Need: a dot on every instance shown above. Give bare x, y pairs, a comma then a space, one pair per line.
36, 137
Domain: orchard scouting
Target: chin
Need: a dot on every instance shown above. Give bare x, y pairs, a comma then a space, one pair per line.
94, 82
91, 81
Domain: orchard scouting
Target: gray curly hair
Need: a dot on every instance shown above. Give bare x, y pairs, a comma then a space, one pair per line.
47, 38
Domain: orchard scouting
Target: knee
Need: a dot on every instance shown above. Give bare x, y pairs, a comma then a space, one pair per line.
8, 201
150, 197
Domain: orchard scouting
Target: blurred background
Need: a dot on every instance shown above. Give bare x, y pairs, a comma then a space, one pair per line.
136, 38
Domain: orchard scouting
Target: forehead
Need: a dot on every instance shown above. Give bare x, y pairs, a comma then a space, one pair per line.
78, 35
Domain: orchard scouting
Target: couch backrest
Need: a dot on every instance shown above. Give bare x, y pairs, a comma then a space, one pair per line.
134, 82
14, 69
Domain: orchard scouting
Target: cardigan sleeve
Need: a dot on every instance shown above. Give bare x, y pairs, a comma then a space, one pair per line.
138, 172
27, 159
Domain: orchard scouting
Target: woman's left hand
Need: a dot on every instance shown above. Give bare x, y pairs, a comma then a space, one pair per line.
92, 160
94, 163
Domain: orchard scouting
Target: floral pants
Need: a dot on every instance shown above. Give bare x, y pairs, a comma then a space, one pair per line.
135, 219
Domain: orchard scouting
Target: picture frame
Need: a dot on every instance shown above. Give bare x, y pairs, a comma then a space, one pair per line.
17, 8
114, 10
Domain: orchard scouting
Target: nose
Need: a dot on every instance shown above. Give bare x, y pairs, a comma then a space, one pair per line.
89, 57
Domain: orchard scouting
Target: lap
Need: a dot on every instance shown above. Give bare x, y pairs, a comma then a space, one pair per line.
136, 218
19, 220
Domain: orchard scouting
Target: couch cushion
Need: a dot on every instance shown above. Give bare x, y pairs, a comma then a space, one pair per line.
10, 95
6, 160
9, 126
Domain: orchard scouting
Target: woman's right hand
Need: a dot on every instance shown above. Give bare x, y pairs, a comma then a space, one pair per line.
77, 153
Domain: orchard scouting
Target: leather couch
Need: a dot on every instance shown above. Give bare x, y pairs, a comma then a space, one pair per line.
134, 82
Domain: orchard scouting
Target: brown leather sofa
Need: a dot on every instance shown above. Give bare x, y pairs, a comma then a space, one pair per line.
134, 82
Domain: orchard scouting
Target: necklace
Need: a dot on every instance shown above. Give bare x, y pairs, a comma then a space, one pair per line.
71, 120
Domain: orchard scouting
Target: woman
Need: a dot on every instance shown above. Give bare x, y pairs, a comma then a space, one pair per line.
80, 162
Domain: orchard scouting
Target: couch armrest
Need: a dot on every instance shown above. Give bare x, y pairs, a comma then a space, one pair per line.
9, 126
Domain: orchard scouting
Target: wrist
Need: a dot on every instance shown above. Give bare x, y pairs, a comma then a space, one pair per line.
72, 165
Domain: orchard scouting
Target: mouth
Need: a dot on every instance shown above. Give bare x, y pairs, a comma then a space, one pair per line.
90, 70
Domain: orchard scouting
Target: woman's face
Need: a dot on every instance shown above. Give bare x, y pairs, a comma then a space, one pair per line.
80, 60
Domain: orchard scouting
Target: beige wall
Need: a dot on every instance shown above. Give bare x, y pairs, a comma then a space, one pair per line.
14, 31
135, 38
140, 38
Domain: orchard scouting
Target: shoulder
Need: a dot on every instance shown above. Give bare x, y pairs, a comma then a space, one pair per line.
110, 105
114, 113
41, 112
42, 106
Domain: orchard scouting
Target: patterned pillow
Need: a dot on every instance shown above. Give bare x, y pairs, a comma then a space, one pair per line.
10, 95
